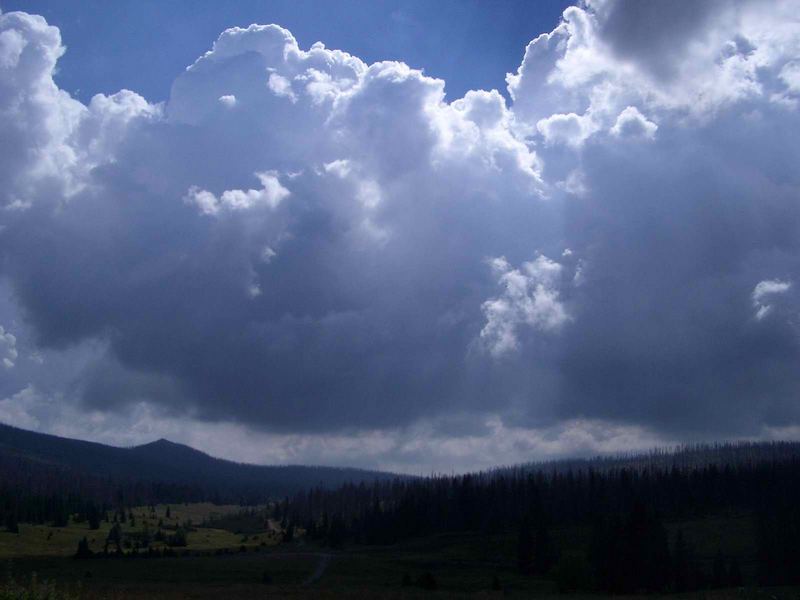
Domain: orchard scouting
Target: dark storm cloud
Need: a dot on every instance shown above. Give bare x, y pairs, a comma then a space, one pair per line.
304, 243
669, 327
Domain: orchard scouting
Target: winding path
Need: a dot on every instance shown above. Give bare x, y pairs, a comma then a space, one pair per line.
322, 565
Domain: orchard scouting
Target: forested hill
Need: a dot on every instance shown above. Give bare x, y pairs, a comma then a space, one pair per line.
40, 462
625, 524
687, 456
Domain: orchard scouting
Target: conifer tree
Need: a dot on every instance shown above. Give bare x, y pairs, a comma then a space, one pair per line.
544, 551
114, 537
680, 563
336, 532
525, 547
93, 516
83, 549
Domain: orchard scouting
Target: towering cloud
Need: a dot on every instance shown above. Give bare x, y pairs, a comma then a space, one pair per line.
311, 245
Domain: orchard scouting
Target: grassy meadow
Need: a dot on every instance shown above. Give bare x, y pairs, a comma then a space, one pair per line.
43, 540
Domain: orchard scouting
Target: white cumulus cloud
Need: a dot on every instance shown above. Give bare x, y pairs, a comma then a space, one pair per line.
764, 291
270, 195
632, 123
530, 298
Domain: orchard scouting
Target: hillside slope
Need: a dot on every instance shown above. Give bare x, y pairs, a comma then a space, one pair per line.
162, 461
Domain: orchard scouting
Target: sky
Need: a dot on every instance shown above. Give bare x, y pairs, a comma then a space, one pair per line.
424, 237
143, 45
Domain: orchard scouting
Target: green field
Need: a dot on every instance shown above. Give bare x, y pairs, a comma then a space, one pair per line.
41, 540
235, 559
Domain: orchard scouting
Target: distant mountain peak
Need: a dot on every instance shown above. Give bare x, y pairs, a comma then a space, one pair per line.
156, 443
165, 445
164, 442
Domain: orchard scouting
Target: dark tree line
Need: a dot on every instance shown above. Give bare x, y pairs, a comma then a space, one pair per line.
54, 506
624, 507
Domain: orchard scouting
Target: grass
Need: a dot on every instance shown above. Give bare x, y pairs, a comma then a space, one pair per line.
463, 564
196, 512
374, 574
43, 540
195, 576
35, 589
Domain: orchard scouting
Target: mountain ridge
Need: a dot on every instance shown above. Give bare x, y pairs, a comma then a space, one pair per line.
165, 461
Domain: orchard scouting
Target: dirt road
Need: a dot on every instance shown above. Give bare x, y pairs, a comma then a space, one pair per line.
324, 561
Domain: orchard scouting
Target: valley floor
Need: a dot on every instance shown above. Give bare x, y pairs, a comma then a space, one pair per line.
344, 575
226, 557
